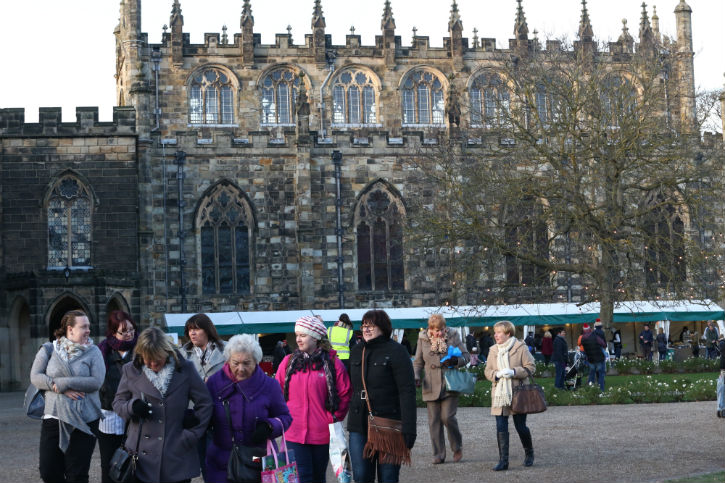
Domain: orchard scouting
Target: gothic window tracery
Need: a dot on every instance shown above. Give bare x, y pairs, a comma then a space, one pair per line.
279, 95
211, 98
379, 225
618, 100
225, 224
490, 101
354, 98
423, 100
527, 233
69, 224
665, 250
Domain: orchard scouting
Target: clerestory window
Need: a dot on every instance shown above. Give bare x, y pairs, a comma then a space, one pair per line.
353, 98
211, 98
279, 94
490, 101
423, 100
69, 224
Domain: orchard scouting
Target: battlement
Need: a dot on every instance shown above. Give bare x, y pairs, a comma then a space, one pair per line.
12, 123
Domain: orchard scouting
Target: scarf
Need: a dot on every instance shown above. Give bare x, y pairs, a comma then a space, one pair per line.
301, 361
111, 343
438, 345
161, 379
504, 390
68, 349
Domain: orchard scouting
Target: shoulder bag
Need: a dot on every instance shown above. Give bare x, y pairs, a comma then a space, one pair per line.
34, 401
122, 468
459, 381
242, 466
528, 398
385, 435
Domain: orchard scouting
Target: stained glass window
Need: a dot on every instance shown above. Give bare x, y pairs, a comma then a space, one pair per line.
279, 95
489, 101
69, 224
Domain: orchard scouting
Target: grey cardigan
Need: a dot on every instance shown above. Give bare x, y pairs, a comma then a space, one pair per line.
84, 373
216, 359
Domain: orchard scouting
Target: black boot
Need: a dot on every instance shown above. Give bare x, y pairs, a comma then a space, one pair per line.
503, 452
528, 447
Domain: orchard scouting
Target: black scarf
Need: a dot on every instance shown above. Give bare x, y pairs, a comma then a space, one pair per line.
301, 361
111, 343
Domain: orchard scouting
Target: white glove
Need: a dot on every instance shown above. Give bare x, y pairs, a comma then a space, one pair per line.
507, 373
499, 374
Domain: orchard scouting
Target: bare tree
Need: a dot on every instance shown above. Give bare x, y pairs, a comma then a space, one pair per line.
573, 183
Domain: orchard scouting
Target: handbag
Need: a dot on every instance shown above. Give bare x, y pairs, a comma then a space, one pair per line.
242, 467
528, 398
122, 468
459, 381
34, 401
273, 472
385, 435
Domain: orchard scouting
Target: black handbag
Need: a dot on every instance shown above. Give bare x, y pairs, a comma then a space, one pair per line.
241, 467
122, 468
34, 401
528, 398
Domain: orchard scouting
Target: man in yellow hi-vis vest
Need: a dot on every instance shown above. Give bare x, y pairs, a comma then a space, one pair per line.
340, 335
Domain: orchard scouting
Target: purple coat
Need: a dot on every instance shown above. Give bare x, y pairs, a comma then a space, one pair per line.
258, 397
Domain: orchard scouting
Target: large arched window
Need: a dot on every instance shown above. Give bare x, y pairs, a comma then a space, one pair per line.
354, 98
225, 223
490, 101
69, 224
211, 97
665, 250
527, 234
379, 226
279, 94
423, 100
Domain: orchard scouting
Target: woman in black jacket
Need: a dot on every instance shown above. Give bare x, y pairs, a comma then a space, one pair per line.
390, 390
117, 349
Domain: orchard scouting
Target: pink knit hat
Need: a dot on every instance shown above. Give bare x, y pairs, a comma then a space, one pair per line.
311, 326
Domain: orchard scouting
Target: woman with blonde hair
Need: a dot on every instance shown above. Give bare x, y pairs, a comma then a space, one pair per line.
154, 391
442, 405
509, 364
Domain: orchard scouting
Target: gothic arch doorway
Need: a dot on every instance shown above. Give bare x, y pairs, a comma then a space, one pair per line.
20, 346
62, 305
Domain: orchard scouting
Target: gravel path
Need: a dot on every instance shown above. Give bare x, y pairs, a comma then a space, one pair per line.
623, 443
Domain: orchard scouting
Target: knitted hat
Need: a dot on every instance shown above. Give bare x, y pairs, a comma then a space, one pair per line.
311, 326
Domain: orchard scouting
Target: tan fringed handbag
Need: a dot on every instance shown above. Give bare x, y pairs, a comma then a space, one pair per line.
385, 435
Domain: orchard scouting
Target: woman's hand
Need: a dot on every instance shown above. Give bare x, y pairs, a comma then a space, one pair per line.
75, 395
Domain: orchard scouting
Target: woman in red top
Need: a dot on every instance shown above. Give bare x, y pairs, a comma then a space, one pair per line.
547, 346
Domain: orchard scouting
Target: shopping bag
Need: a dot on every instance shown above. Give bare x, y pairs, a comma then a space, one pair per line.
339, 453
275, 469
459, 381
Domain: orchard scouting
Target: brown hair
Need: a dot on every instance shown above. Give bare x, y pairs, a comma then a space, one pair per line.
115, 319
68, 320
380, 319
203, 322
436, 321
153, 344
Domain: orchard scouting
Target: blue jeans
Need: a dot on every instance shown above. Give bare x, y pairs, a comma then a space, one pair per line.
597, 369
560, 372
502, 423
721, 393
311, 461
363, 469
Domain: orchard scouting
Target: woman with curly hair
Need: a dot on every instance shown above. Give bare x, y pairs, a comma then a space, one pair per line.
317, 390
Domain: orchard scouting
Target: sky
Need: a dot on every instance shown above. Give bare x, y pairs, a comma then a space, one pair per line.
62, 53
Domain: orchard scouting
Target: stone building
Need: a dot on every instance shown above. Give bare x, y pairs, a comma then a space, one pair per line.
244, 176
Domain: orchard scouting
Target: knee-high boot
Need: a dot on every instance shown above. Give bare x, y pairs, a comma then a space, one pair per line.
528, 447
503, 451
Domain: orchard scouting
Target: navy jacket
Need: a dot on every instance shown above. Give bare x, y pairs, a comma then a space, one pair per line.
561, 350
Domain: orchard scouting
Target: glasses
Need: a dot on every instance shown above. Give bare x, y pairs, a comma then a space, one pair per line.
368, 326
124, 332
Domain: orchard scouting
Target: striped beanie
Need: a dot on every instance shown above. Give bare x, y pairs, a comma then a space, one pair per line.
311, 326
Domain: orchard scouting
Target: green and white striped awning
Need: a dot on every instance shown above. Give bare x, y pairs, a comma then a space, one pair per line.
229, 323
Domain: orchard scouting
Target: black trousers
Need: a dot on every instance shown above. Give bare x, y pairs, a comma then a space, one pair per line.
107, 445
71, 466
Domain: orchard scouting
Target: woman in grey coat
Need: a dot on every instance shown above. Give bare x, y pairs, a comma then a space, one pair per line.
70, 370
155, 391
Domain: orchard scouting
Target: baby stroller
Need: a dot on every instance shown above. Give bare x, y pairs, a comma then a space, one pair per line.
577, 369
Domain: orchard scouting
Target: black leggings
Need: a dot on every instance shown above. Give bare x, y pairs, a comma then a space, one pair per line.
71, 466
502, 423
107, 445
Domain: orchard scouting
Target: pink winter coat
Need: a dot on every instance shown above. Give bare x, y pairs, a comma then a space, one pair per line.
307, 396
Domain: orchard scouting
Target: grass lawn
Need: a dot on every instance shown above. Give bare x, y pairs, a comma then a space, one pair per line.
717, 477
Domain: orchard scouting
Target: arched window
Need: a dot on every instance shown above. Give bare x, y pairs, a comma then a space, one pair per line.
211, 98
423, 100
379, 225
225, 224
618, 100
527, 234
490, 101
69, 224
353, 98
665, 250
279, 94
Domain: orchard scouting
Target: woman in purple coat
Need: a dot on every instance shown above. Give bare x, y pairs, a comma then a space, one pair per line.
256, 405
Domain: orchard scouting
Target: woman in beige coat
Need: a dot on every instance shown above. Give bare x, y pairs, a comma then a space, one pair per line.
509, 363
442, 405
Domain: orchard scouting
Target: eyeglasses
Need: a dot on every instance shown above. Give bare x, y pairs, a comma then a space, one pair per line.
368, 326
124, 332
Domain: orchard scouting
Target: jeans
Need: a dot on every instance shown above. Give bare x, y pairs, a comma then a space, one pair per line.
663, 355
363, 469
311, 461
721, 392
560, 372
617, 351
502, 423
712, 353
647, 351
597, 369
71, 466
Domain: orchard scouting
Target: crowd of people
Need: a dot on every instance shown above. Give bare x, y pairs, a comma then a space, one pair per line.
182, 410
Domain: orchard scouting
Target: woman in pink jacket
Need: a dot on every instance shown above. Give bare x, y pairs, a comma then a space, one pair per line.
317, 390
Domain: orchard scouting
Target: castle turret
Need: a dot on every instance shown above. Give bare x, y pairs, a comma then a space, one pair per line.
455, 30
685, 68
387, 25
177, 33
128, 40
318, 33
247, 24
